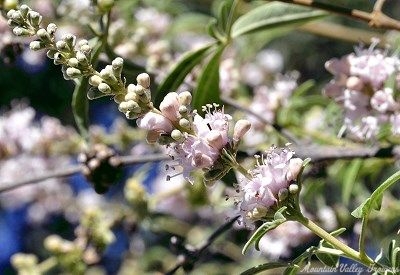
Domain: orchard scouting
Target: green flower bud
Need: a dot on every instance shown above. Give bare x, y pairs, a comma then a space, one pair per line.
10, 4
35, 18
105, 5
73, 72
104, 88
24, 9
143, 80
95, 80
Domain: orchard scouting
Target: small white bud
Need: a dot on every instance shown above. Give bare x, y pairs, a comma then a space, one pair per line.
51, 28
36, 45
143, 80
10, 13
18, 31
61, 45
241, 128
133, 106
73, 72
95, 80
177, 135
117, 63
183, 122
123, 107
35, 18
24, 9
139, 90
42, 33
131, 88
107, 73
293, 189
73, 62
83, 42
104, 88
131, 96
69, 38
81, 57
183, 109
185, 98
85, 49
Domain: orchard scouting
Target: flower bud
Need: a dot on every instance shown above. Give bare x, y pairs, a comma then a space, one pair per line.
183, 122
73, 72
104, 88
241, 128
185, 98
139, 89
17, 16
51, 28
295, 166
62, 46
35, 18
73, 62
18, 31
293, 189
131, 96
43, 35
86, 49
133, 106
107, 74
354, 83
36, 45
69, 38
143, 80
177, 135
183, 110
10, 13
81, 57
24, 9
10, 4
105, 5
95, 80
170, 106
117, 63
82, 42
52, 243
131, 88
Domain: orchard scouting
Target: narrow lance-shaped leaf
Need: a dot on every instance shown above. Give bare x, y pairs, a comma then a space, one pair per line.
80, 106
178, 73
375, 200
208, 84
263, 267
274, 15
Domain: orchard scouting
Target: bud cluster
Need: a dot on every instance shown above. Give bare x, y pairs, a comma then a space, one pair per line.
137, 100
101, 166
68, 254
96, 227
25, 263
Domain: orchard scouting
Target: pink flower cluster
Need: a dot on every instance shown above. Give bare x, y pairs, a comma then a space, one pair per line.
274, 172
194, 142
360, 87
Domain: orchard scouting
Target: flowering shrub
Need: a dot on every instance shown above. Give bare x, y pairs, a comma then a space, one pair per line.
223, 139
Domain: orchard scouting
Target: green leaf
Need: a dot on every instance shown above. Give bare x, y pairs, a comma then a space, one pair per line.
375, 200
291, 270
350, 177
80, 106
208, 84
178, 73
274, 15
263, 229
328, 259
303, 88
263, 267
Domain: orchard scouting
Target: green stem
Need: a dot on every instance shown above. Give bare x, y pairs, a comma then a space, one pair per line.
361, 242
348, 251
48, 264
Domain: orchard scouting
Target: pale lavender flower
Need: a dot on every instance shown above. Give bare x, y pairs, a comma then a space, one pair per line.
274, 172
359, 87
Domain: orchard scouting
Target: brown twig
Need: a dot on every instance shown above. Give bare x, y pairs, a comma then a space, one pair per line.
376, 18
74, 169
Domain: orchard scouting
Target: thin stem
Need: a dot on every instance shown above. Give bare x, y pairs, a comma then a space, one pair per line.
378, 5
71, 170
348, 251
47, 265
375, 18
361, 241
